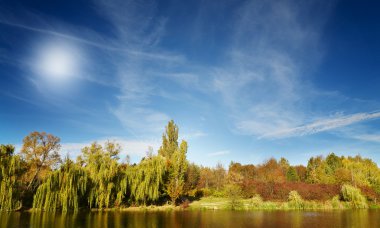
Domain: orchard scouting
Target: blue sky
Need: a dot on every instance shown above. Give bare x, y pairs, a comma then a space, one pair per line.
244, 80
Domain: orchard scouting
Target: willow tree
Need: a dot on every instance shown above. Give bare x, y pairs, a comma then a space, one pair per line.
104, 172
63, 189
146, 179
176, 161
40, 152
9, 179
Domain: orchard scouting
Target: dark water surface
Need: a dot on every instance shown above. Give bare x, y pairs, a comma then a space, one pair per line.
321, 219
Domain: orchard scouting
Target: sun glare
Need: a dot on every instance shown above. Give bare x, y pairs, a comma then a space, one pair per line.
57, 62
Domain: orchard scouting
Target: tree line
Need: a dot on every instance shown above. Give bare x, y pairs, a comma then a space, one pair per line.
37, 177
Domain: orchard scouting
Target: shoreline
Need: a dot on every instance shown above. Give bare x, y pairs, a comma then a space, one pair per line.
224, 204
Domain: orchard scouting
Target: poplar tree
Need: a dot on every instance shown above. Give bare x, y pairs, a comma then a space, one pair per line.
176, 161
177, 171
169, 140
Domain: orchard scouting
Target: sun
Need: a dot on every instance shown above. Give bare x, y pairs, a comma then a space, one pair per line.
56, 62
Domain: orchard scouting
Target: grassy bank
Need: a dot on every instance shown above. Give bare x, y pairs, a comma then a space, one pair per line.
255, 203
215, 203
350, 197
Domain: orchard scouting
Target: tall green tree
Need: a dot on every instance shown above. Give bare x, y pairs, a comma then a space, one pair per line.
176, 161
177, 170
169, 140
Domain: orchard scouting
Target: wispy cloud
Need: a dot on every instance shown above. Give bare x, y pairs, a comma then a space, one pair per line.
368, 137
218, 153
123, 58
323, 125
260, 79
116, 47
263, 85
193, 135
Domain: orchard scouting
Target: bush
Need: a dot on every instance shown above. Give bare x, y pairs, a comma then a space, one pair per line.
295, 201
354, 196
319, 192
234, 193
256, 201
335, 203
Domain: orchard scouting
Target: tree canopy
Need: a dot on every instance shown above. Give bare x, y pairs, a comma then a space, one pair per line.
36, 177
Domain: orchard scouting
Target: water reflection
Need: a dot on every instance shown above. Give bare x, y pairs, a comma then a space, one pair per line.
344, 218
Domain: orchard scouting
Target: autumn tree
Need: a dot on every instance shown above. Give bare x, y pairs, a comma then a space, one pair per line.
192, 177
205, 178
319, 172
235, 174
301, 172
219, 176
40, 152
271, 172
284, 164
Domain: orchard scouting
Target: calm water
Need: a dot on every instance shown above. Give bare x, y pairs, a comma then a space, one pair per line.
349, 218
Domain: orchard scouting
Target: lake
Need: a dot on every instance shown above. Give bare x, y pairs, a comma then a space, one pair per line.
199, 218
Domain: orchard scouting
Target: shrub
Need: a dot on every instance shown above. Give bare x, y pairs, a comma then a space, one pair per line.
354, 196
335, 203
256, 201
234, 193
295, 201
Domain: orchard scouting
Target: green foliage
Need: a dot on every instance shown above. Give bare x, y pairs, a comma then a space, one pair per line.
234, 193
334, 162
102, 168
335, 203
10, 173
318, 171
63, 189
256, 201
295, 201
192, 177
98, 180
177, 172
291, 175
354, 196
176, 161
169, 140
146, 179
